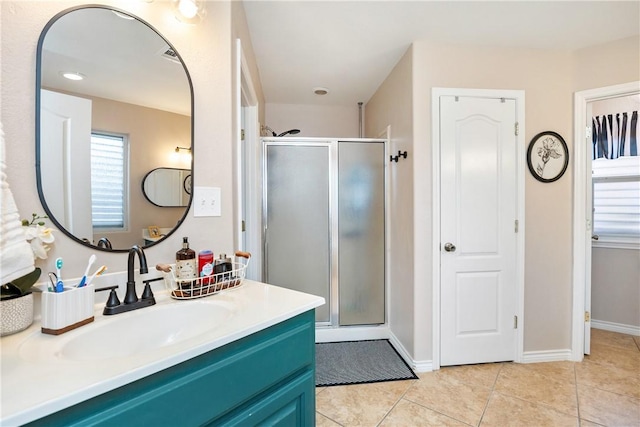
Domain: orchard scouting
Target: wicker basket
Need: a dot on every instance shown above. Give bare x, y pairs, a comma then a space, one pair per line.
207, 285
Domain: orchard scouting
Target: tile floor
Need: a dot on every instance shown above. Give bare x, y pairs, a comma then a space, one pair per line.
603, 390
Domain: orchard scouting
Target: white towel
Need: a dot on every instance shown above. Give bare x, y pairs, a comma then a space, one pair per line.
16, 256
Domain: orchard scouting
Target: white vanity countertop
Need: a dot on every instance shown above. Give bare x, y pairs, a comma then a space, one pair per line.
34, 385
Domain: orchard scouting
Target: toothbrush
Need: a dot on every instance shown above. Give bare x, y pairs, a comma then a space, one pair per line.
97, 273
92, 259
59, 286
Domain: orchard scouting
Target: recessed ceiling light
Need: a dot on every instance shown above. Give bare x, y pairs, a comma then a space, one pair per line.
320, 90
72, 75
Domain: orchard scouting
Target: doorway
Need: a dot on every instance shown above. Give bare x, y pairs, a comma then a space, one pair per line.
247, 222
479, 205
582, 222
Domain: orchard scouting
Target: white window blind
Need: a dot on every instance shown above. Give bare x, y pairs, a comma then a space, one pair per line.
616, 199
108, 181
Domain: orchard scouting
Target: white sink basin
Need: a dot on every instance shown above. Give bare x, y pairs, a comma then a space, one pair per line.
130, 334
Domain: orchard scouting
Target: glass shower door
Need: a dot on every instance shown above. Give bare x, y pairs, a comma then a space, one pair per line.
297, 221
361, 210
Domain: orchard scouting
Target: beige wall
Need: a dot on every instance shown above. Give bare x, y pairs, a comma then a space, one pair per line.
606, 64
324, 121
391, 106
615, 286
548, 106
206, 49
548, 206
549, 78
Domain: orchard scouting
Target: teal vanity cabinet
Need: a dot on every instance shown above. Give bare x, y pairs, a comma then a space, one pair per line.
266, 378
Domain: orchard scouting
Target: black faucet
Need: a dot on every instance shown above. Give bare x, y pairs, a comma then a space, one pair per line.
131, 301
131, 297
104, 243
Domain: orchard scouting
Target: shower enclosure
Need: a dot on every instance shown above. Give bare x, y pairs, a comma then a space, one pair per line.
324, 224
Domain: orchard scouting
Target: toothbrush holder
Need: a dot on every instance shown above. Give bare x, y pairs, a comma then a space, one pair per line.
67, 310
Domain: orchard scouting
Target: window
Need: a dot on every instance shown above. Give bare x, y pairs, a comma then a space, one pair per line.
616, 201
109, 181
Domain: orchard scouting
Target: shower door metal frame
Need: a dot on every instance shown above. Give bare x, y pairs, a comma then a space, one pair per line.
334, 265
332, 164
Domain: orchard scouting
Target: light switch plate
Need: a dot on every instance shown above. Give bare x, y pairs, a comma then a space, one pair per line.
207, 201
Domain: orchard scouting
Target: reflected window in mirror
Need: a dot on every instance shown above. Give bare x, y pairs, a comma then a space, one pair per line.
131, 86
109, 182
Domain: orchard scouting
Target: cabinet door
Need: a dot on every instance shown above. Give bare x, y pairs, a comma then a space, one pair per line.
292, 405
218, 385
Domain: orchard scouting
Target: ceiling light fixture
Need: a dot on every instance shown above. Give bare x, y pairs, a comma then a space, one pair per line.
188, 8
189, 11
320, 90
71, 75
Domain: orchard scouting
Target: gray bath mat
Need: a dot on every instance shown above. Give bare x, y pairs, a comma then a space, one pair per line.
358, 362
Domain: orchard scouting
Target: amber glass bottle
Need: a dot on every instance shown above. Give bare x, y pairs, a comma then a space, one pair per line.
186, 264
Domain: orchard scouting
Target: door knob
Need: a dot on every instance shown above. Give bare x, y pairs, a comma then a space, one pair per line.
595, 237
449, 247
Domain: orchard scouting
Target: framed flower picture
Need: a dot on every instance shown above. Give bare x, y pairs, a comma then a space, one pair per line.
547, 156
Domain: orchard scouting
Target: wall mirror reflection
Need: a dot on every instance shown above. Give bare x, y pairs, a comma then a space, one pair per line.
113, 99
168, 187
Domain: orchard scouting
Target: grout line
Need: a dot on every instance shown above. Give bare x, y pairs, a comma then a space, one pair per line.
575, 381
428, 407
413, 382
493, 388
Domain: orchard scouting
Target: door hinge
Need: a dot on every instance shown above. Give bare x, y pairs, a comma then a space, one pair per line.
587, 316
515, 322
243, 226
517, 225
588, 133
242, 134
517, 128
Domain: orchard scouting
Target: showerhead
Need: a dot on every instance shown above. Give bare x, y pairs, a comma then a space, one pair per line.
267, 128
290, 132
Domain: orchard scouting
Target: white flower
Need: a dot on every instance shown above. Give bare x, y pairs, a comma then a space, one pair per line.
39, 236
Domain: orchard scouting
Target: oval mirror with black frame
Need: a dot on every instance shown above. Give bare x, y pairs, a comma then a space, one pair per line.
113, 98
167, 187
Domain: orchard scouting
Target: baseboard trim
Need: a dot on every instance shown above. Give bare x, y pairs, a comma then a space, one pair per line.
546, 356
352, 333
616, 327
416, 365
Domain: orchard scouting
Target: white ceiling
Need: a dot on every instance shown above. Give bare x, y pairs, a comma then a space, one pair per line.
351, 46
121, 59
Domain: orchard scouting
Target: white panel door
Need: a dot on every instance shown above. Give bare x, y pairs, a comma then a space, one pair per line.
65, 157
478, 235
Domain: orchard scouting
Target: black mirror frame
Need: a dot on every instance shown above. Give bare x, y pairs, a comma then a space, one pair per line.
183, 186
41, 39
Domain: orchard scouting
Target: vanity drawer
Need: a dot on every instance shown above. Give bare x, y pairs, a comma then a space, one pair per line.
211, 386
